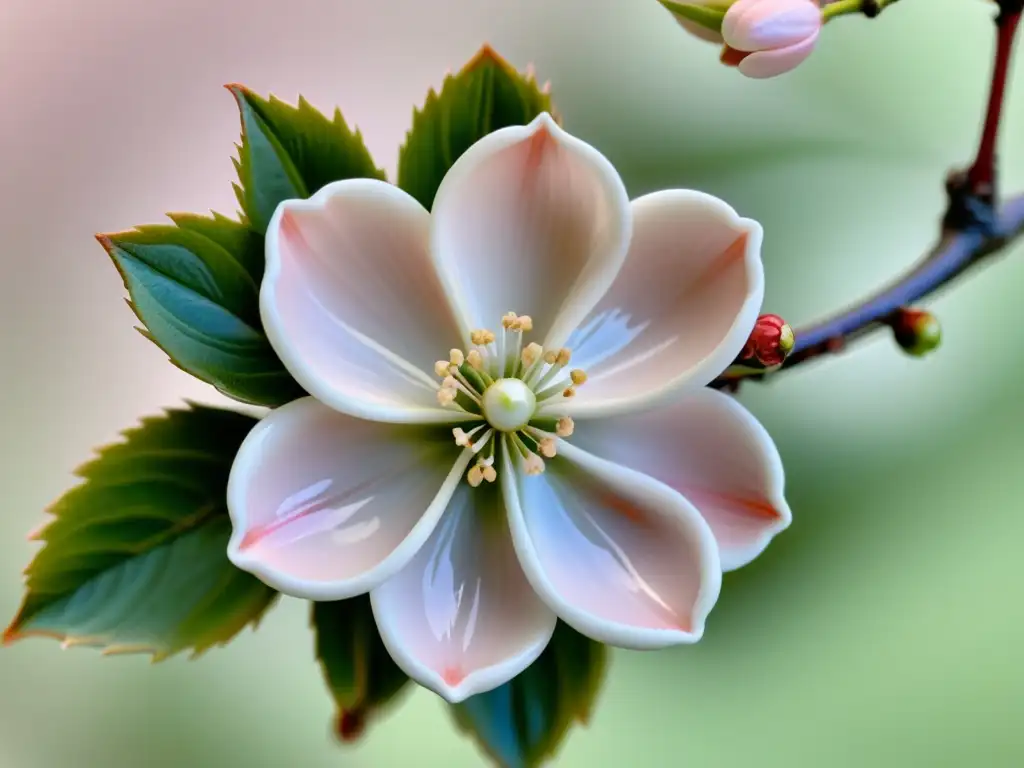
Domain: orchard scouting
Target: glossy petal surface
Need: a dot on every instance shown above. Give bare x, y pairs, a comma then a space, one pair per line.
617, 555
680, 309
716, 454
325, 506
461, 618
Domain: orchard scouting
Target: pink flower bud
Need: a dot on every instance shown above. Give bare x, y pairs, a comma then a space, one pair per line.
770, 342
765, 38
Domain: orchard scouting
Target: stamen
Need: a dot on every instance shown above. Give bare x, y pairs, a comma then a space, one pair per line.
509, 320
482, 337
490, 473
569, 392
464, 439
475, 360
451, 382
547, 448
524, 324
475, 476
531, 354
557, 359
533, 464
465, 381
456, 358
578, 376
565, 427
441, 368
446, 397
482, 442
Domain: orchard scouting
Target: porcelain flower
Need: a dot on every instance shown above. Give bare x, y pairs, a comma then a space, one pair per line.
508, 422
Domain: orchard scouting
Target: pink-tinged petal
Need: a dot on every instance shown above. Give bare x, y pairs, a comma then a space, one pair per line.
619, 556
715, 453
765, 64
531, 220
352, 304
679, 311
325, 506
461, 618
756, 25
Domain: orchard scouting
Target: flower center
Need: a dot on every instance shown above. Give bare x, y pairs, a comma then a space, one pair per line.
511, 392
508, 404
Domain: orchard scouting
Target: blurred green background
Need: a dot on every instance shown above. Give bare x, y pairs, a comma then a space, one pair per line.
885, 628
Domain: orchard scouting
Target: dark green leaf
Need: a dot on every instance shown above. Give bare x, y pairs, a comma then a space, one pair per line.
195, 287
523, 723
362, 678
135, 559
486, 95
290, 152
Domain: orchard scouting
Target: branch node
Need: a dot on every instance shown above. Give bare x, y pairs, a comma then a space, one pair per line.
971, 204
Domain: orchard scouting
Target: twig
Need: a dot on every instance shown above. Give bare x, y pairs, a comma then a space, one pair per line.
973, 229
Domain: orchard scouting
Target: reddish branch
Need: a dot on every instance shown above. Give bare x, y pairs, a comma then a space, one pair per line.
973, 229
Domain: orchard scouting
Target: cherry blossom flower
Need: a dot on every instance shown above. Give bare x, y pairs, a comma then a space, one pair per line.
508, 422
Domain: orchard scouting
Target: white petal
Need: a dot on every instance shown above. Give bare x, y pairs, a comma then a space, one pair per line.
715, 453
461, 618
617, 555
680, 310
530, 220
325, 506
352, 304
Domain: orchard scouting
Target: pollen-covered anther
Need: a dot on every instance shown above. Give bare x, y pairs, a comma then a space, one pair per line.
475, 476
464, 439
547, 447
532, 353
578, 376
490, 473
482, 337
569, 392
446, 396
563, 356
565, 427
441, 368
509, 320
533, 464
523, 324
456, 357
475, 360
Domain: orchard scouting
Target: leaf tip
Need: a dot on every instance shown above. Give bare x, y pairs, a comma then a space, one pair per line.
13, 633
486, 55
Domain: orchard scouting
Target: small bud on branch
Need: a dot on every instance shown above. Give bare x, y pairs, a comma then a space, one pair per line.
916, 331
973, 228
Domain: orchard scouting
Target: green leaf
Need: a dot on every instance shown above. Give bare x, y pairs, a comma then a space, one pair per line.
486, 95
195, 287
523, 723
290, 152
362, 678
135, 559
709, 18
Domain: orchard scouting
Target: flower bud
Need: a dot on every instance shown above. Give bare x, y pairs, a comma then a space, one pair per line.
770, 342
916, 331
765, 38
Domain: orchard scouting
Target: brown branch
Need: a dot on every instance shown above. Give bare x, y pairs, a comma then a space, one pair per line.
973, 229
